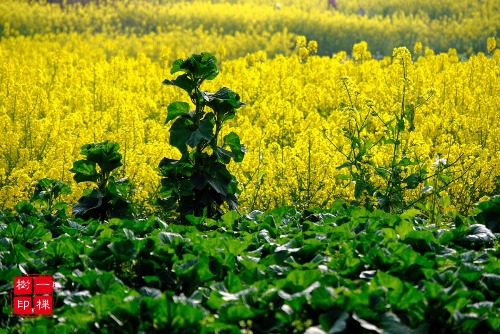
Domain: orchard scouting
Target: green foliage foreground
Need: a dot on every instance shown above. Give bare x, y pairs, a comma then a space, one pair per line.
344, 269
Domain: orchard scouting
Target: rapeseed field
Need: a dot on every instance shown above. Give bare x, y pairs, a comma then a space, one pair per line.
77, 74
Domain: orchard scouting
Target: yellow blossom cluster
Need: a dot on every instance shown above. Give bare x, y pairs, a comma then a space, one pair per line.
244, 26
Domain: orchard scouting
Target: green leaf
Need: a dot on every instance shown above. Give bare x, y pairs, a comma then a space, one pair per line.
88, 203
494, 322
390, 233
433, 290
224, 155
14, 231
230, 217
478, 233
427, 236
237, 312
405, 162
492, 281
84, 171
176, 66
200, 66
401, 125
469, 272
384, 172
233, 141
170, 238
182, 81
180, 132
334, 321
177, 109
409, 214
203, 132
412, 181
388, 281
104, 154
298, 280
220, 178
223, 102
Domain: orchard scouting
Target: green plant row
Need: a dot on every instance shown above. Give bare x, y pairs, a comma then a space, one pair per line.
338, 270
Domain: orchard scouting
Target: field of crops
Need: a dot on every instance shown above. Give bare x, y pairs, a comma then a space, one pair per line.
366, 192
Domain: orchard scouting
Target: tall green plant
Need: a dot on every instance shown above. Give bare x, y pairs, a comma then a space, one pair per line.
199, 183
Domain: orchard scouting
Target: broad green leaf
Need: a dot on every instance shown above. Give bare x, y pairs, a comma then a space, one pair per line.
123, 250
177, 109
14, 231
492, 280
86, 204
470, 272
427, 236
387, 280
84, 171
390, 233
409, 214
322, 298
223, 102
48, 188
410, 298
230, 217
180, 132
235, 313
405, 161
203, 132
494, 322
220, 178
334, 321
150, 292
478, 233
104, 154
412, 181
170, 238
176, 66
433, 290
298, 280
404, 228
25, 207
182, 81
456, 304
233, 141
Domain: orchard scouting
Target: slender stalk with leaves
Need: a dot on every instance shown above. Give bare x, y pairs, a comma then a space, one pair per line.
387, 186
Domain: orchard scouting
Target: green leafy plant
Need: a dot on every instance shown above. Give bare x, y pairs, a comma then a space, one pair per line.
390, 186
107, 200
341, 269
199, 183
46, 193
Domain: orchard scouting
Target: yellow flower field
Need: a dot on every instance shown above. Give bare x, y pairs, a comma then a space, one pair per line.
59, 91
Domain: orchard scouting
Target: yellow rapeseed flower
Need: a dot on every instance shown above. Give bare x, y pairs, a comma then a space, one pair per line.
491, 44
